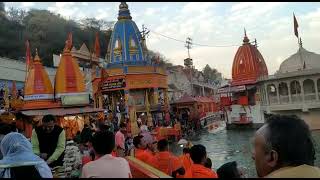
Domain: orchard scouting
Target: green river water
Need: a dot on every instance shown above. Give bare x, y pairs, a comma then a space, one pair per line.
235, 145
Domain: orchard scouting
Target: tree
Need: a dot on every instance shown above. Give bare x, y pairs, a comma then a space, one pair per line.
2, 7
210, 74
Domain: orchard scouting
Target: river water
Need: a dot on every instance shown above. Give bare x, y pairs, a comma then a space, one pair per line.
235, 145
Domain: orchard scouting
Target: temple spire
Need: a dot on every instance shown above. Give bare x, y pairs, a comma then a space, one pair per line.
245, 39
124, 12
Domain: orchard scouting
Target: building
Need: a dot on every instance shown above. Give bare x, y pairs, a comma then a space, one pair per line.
294, 88
240, 99
132, 84
181, 81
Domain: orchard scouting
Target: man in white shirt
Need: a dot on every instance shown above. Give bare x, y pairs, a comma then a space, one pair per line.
106, 166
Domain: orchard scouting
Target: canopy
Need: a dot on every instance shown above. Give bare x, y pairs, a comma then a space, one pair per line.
61, 111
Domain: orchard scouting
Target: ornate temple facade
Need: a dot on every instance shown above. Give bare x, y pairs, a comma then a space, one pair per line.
294, 88
240, 99
130, 82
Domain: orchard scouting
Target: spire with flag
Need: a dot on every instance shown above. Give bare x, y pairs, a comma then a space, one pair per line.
69, 42
28, 57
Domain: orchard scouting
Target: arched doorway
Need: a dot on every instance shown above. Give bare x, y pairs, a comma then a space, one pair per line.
295, 90
272, 94
309, 90
284, 93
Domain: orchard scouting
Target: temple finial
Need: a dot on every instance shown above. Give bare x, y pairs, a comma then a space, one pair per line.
245, 39
245, 32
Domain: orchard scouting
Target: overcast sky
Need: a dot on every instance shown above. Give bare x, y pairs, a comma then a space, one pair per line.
209, 23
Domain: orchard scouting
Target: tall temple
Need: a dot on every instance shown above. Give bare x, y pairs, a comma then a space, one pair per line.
241, 100
130, 82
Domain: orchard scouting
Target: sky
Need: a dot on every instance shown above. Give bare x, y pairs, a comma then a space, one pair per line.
208, 23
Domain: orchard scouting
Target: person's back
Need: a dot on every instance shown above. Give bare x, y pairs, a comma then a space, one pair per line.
302, 171
24, 171
198, 170
166, 161
107, 166
186, 159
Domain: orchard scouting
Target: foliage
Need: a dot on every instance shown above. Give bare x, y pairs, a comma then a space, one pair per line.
47, 32
163, 61
210, 74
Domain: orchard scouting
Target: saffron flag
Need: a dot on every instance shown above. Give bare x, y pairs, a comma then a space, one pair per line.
295, 24
97, 46
27, 54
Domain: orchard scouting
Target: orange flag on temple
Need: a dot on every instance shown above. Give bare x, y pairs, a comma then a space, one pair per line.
97, 46
27, 54
295, 24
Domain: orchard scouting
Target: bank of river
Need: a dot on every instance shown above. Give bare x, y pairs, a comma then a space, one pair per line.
235, 145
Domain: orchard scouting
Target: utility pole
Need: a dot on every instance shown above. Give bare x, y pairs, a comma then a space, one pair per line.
188, 62
144, 33
188, 45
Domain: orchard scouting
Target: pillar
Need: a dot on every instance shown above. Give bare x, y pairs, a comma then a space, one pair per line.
289, 92
156, 96
203, 91
266, 94
302, 90
277, 89
126, 100
147, 105
316, 89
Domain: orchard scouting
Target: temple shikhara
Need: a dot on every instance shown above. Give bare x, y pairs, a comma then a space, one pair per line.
130, 84
67, 98
240, 100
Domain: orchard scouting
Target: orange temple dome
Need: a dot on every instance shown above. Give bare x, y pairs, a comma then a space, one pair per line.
248, 64
69, 80
38, 85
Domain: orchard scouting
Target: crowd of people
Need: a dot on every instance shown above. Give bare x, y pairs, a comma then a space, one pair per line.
282, 147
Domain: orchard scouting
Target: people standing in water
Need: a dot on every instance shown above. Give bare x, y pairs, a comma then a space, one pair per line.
48, 141
198, 155
283, 148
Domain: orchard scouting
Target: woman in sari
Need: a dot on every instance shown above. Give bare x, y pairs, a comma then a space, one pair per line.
19, 160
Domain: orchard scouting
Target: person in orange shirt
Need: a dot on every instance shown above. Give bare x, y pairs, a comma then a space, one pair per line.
197, 169
141, 152
186, 159
166, 161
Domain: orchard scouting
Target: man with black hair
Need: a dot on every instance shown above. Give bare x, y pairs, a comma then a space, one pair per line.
106, 166
283, 148
141, 152
166, 161
185, 158
198, 155
48, 141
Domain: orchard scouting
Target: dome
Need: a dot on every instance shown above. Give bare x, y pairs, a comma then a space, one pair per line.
125, 46
248, 64
297, 61
38, 85
69, 80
